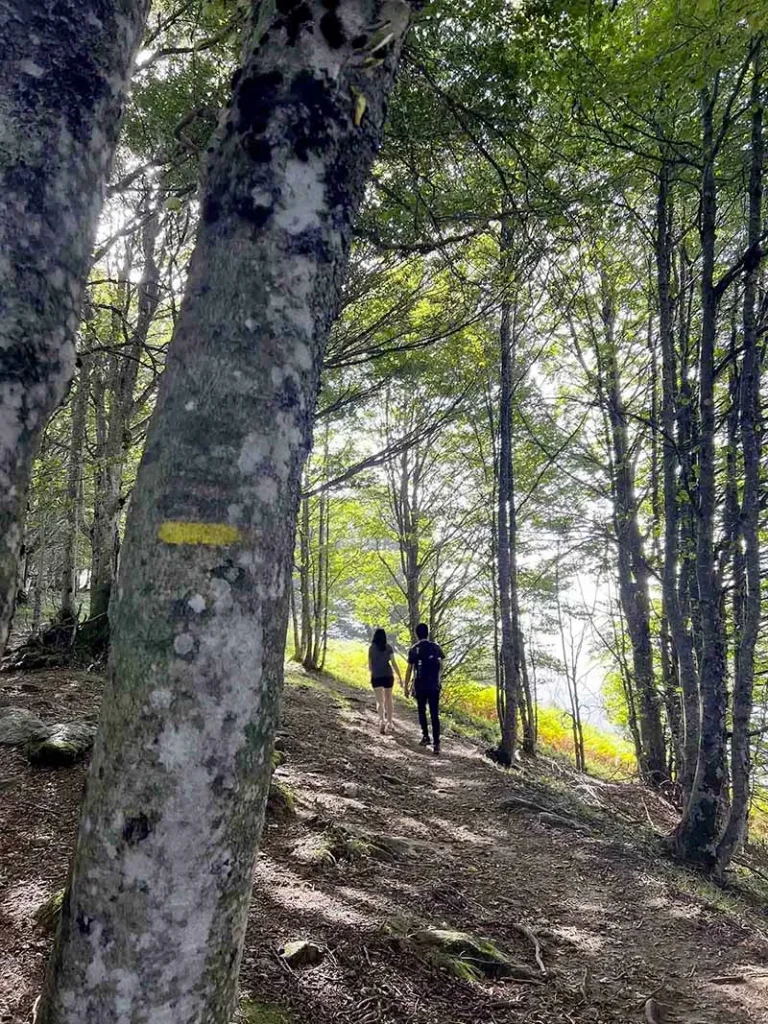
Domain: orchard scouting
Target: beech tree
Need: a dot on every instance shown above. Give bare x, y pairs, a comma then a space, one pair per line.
63, 81
154, 918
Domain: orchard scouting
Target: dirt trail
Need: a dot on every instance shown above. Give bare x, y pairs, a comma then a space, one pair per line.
616, 924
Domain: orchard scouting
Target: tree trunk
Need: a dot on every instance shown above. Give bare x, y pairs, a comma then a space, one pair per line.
503, 559
410, 541
295, 623
527, 714
108, 499
305, 583
696, 834
633, 569
750, 606
42, 540
63, 79
681, 636
153, 923
74, 495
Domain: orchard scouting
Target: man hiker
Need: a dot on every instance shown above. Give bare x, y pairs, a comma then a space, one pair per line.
426, 657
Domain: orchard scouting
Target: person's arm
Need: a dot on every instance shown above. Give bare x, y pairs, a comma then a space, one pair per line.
370, 661
396, 667
440, 661
409, 672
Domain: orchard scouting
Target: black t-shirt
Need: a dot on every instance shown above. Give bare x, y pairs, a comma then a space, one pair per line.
426, 656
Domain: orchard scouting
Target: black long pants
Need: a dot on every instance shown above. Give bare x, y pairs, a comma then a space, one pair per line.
429, 695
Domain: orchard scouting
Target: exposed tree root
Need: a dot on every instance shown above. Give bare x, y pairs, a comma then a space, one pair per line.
653, 1012
526, 931
66, 641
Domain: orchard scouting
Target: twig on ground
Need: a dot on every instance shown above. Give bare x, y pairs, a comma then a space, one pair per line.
526, 931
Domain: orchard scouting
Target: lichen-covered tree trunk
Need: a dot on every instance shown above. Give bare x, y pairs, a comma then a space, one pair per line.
63, 79
154, 920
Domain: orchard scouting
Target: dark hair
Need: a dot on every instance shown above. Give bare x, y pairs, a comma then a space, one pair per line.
422, 631
379, 639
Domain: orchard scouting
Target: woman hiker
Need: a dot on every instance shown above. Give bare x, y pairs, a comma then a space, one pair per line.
381, 662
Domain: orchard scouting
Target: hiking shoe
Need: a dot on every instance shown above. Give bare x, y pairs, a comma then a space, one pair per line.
436, 751
424, 741
383, 729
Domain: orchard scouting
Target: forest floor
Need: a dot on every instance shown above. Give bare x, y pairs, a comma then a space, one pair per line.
618, 924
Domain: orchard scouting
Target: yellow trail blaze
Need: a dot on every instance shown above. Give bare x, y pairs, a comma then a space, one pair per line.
210, 534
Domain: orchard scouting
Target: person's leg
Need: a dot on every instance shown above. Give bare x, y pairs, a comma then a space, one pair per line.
388, 706
434, 714
379, 691
421, 704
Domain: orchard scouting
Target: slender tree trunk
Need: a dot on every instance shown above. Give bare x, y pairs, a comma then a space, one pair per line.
503, 558
681, 636
305, 585
570, 667
410, 541
320, 583
108, 499
696, 834
750, 607
633, 569
161, 879
295, 623
42, 551
74, 495
63, 79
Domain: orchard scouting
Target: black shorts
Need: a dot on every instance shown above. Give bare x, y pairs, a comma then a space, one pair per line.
386, 682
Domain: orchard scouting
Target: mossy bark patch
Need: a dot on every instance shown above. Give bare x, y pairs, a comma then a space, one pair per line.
47, 916
281, 802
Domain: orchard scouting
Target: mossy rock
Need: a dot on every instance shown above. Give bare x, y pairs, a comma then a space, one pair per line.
281, 802
252, 1012
65, 744
278, 758
47, 916
302, 953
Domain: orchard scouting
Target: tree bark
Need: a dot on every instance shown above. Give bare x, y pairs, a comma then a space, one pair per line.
108, 499
696, 835
63, 80
305, 585
633, 568
749, 607
511, 682
681, 635
74, 494
154, 920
